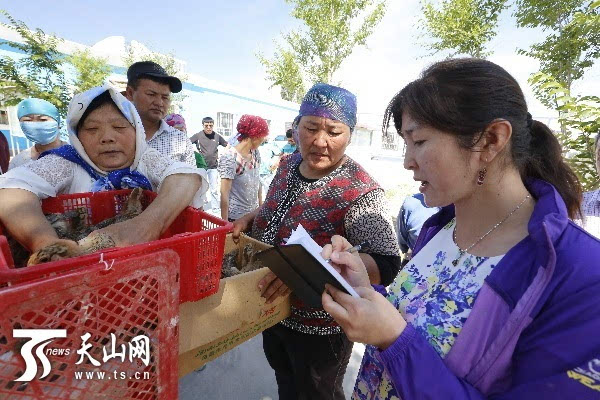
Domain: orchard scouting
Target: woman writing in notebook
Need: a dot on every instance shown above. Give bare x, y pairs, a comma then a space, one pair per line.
328, 193
500, 298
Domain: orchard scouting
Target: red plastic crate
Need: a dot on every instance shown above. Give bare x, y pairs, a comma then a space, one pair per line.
136, 297
197, 237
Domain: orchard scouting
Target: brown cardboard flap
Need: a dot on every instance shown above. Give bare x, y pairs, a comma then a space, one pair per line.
237, 312
198, 356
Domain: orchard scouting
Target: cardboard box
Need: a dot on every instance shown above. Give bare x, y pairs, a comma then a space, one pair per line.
214, 325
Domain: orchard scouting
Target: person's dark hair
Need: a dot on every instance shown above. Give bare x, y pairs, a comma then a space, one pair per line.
207, 119
98, 102
135, 82
463, 96
288, 133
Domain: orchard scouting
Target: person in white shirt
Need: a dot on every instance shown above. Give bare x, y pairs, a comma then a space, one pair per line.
590, 206
149, 88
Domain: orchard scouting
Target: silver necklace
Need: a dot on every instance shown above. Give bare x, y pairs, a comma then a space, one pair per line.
462, 252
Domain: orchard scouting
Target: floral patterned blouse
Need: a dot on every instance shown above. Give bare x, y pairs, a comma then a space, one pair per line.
435, 297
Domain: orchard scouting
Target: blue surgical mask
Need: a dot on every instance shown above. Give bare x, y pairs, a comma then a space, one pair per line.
40, 132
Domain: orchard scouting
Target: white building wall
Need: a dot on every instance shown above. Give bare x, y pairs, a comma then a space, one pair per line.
207, 102
204, 97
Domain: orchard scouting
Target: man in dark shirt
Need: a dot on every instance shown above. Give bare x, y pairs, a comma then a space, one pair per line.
207, 142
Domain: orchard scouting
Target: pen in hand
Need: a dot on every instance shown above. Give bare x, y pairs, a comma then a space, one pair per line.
354, 249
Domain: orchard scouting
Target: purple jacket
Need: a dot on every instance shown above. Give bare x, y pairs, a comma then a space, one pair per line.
534, 330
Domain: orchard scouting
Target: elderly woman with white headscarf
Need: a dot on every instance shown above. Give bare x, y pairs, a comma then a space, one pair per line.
108, 151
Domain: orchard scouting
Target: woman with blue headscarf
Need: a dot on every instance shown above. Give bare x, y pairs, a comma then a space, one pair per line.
40, 122
108, 151
326, 192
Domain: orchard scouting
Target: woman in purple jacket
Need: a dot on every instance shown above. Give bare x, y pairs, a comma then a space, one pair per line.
501, 297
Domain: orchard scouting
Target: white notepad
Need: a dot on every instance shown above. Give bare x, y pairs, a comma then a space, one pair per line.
301, 237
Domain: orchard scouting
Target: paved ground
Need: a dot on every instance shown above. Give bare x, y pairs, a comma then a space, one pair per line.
243, 373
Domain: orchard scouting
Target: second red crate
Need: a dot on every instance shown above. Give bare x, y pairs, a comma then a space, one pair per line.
197, 237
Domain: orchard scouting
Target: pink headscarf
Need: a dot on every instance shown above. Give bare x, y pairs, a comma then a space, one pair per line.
176, 121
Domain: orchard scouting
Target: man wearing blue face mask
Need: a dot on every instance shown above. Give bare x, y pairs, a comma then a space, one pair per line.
39, 122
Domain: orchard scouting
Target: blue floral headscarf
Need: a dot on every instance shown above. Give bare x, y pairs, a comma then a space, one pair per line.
328, 101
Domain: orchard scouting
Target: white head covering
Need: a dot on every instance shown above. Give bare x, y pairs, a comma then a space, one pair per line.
81, 102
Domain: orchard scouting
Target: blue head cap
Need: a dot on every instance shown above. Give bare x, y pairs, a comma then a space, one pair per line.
37, 106
328, 101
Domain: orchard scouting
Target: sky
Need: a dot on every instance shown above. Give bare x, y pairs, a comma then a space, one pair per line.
219, 41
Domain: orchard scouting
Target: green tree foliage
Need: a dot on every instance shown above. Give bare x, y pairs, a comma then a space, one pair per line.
573, 41
571, 46
580, 115
39, 73
90, 71
167, 61
462, 26
332, 29
285, 72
